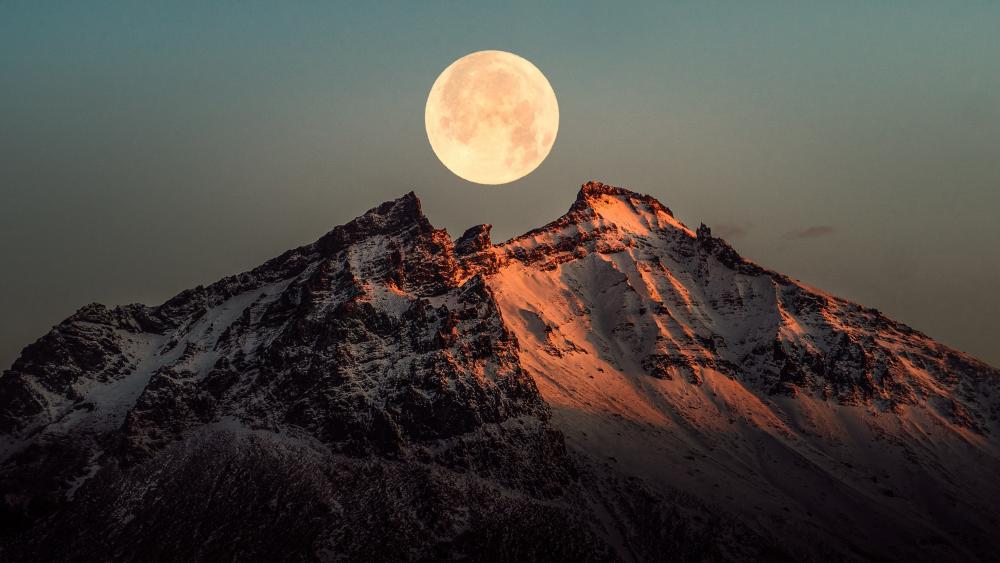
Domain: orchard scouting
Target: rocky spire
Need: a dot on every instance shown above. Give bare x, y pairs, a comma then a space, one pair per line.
474, 239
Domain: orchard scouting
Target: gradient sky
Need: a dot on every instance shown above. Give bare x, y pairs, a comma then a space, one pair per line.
147, 149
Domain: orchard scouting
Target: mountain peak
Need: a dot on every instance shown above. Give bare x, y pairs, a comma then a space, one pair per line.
594, 191
403, 214
402, 209
596, 187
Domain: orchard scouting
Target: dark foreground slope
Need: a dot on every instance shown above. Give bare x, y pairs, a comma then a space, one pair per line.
612, 386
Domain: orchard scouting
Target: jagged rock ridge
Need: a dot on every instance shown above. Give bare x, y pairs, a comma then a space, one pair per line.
611, 386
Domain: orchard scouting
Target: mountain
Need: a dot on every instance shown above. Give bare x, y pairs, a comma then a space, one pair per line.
611, 386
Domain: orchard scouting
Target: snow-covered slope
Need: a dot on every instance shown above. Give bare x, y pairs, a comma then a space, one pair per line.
665, 354
612, 385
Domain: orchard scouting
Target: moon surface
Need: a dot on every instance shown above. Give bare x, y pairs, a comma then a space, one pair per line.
491, 117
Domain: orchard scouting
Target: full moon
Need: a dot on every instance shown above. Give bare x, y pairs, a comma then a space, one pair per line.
491, 117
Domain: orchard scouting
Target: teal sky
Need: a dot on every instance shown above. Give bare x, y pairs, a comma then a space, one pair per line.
148, 147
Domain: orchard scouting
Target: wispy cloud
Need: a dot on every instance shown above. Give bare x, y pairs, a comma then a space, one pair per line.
815, 231
729, 231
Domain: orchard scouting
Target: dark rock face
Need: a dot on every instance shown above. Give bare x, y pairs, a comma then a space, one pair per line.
367, 397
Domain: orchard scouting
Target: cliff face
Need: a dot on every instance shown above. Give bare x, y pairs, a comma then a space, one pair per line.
612, 385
